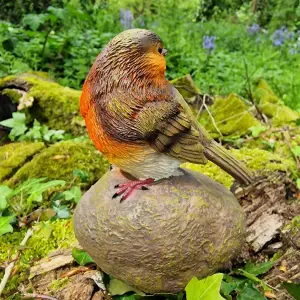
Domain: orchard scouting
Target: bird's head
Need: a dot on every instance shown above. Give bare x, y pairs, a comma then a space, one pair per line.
134, 54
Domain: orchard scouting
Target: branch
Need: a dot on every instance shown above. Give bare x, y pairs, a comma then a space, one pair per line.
10, 267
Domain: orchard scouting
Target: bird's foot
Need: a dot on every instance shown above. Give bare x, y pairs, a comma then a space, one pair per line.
127, 188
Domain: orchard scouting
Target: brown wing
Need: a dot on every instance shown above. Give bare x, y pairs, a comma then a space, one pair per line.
169, 129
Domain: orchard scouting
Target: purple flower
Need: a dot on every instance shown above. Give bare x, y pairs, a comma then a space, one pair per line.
209, 42
279, 36
253, 29
293, 51
126, 18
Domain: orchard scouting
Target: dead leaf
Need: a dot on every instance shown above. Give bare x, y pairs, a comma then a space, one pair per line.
270, 294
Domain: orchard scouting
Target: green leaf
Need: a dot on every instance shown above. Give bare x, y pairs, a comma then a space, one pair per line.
73, 194
5, 226
81, 257
254, 279
81, 174
62, 212
227, 288
4, 193
292, 288
125, 297
250, 293
117, 287
258, 269
35, 192
296, 151
298, 183
8, 123
205, 289
257, 130
34, 20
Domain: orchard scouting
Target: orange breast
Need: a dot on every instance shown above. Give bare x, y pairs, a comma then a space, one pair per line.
115, 151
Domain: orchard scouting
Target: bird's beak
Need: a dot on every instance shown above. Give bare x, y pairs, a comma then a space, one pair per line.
164, 52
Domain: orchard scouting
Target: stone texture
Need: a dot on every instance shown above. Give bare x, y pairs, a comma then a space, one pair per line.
158, 239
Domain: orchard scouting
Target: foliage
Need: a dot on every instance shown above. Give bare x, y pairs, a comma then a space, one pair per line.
292, 288
81, 257
205, 289
20, 131
66, 40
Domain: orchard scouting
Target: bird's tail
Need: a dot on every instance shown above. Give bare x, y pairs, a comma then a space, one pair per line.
225, 160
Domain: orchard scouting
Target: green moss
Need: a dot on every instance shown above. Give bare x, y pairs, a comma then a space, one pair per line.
56, 106
255, 159
293, 226
231, 115
272, 107
12, 94
58, 284
14, 155
47, 236
59, 161
186, 87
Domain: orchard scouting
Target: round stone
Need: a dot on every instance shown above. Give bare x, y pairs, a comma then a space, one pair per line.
158, 239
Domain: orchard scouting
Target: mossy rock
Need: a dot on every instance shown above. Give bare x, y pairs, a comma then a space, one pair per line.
186, 87
60, 160
231, 115
158, 239
45, 100
272, 107
14, 155
259, 160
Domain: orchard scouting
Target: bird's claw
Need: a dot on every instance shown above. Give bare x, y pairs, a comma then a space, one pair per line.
127, 188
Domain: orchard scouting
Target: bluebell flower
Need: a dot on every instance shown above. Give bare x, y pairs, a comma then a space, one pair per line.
209, 42
253, 29
126, 18
279, 36
293, 51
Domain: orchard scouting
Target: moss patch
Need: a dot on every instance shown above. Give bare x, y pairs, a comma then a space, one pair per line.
186, 87
48, 236
14, 155
272, 107
59, 161
54, 105
255, 159
232, 117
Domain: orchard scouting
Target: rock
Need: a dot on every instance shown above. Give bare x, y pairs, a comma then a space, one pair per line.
45, 100
272, 107
158, 239
232, 117
60, 160
15, 155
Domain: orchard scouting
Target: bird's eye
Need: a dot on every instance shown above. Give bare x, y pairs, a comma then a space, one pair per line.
160, 50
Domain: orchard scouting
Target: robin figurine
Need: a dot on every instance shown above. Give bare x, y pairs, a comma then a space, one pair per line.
139, 121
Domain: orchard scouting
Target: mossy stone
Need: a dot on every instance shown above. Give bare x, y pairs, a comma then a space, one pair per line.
60, 160
255, 159
272, 107
14, 155
186, 87
231, 115
158, 239
54, 105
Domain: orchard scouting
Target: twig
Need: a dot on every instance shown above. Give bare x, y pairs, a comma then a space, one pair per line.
201, 107
10, 267
213, 121
38, 296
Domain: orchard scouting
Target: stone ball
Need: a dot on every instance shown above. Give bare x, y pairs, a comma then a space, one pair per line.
158, 239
